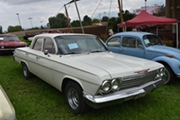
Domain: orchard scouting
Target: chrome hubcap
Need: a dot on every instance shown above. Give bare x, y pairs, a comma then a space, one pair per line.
25, 71
73, 98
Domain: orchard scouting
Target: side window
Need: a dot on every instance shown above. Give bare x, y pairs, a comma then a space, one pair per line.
49, 45
114, 42
138, 43
38, 44
131, 42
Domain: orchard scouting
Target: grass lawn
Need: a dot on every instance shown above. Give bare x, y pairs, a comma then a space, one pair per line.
36, 100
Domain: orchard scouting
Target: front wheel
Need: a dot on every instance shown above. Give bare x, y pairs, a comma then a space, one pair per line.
27, 74
169, 75
74, 98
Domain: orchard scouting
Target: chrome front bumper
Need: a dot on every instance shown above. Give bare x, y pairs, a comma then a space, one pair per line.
122, 95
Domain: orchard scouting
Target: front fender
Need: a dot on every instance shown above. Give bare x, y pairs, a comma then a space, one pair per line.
173, 63
87, 86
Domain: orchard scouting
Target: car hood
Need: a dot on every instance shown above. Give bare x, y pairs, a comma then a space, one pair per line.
13, 43
114, 64
165, 50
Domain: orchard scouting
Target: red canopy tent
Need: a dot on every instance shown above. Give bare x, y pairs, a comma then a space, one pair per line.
146, 19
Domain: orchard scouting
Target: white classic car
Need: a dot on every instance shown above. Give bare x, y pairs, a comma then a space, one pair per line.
7, 111
88, 74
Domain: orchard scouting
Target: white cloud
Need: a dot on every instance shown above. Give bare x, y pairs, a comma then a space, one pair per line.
41, 10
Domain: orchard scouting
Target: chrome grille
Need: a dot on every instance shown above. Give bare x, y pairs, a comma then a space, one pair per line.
137, 80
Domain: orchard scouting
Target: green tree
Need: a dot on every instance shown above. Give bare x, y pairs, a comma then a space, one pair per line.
0, 29
112, 23
95, 20
60, 21
105, 19
75, 23
87, 20
127, 15
14, 28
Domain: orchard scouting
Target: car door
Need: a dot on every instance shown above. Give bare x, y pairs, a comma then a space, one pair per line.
32, 55
44, 62
132, 46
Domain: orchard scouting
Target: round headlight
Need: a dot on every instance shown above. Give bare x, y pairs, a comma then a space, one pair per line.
106, 86
157, 76
115, 84
161, 72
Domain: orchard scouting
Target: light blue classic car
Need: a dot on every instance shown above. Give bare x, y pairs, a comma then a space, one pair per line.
149, 46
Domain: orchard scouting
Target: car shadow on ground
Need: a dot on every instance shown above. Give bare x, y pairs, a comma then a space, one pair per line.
6, 53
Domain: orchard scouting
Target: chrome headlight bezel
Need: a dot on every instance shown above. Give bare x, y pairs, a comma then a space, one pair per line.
110, 85
115, 84
106, 86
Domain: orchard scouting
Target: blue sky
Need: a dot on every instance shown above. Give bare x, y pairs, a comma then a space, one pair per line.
41, 10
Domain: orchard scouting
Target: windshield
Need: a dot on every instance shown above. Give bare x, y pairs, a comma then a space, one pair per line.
79, 44
150, 40
9, 38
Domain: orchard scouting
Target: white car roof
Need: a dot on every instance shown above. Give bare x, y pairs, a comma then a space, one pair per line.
52, 35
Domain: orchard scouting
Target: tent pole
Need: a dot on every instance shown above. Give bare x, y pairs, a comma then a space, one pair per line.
157, 31
177, 42
121, 12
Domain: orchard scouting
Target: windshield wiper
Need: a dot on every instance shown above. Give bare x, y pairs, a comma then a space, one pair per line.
72, 53
96, 51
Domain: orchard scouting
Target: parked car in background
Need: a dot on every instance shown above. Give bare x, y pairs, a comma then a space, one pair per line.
7, 111
149, 46
29, 37
8, 42
88, 74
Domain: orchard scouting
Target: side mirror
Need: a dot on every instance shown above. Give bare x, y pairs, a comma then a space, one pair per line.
46, 52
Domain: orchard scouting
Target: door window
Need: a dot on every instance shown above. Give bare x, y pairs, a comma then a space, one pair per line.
114, 42
38, 44
131, 42
49, 45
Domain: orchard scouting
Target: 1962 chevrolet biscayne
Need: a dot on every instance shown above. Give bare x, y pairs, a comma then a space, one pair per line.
88, 74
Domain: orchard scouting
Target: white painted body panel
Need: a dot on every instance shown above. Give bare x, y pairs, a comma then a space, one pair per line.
89, 70
7, 111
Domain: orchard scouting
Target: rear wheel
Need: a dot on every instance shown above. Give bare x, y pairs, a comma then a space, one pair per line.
169, 75
74, 98
27, 74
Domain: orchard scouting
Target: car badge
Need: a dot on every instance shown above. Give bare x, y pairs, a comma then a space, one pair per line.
142, 71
